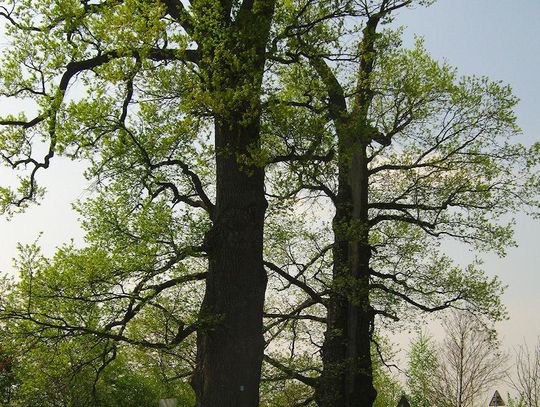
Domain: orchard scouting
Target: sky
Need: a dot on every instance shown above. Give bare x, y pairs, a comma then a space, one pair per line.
499, 39
496, 38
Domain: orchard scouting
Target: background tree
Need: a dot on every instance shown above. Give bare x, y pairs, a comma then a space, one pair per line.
526, 381
470, 362
514, 401
422, 365
386, 378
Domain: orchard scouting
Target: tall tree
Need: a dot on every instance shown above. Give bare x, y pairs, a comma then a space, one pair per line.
164, 99
421, 155
232, 65
136, 87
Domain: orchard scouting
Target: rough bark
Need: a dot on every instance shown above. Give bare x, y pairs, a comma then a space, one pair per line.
347, 377
230, 347
231, 350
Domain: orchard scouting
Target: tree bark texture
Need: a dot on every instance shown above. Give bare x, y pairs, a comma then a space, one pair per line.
230, 344
231, 349
347, 378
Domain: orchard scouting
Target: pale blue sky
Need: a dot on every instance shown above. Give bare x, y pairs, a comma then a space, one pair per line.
499, 39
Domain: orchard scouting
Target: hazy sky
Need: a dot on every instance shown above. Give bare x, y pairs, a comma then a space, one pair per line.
496, 38
499, 39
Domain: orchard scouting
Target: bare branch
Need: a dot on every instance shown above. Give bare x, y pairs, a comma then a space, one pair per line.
310, 381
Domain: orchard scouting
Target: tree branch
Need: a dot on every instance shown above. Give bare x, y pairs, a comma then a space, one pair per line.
307, 289
310, 381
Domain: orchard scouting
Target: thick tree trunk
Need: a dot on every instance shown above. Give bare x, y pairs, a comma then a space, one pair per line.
231, 350
230, 343
347, 379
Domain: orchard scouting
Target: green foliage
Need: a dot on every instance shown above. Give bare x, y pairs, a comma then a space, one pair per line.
423, 363
285, 393
67, 377
135, 89
385, 380
514, 402
8, 380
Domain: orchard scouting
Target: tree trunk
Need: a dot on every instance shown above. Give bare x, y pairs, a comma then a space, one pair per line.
230, 344
231, 350
347, 379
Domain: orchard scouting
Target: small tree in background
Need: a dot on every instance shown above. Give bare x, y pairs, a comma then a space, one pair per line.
423, 362
470, 361
458, 371
388, 386
527, 376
